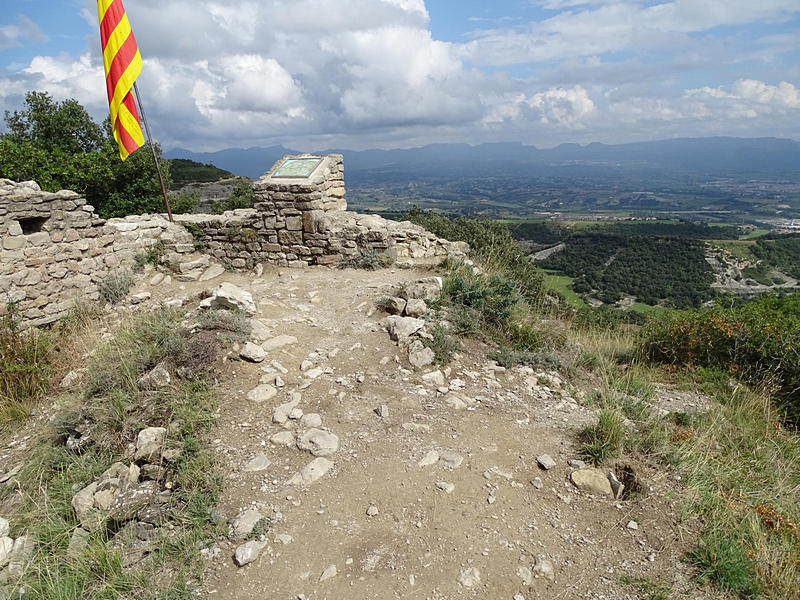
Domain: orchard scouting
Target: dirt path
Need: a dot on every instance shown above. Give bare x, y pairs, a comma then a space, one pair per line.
389, 525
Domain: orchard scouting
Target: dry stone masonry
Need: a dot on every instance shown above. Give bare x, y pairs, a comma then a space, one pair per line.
55, 249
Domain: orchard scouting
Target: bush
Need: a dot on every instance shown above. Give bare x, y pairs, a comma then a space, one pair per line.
183, 202
369, 261
234, 322
754, 342
241, 197
115, 286
443, 344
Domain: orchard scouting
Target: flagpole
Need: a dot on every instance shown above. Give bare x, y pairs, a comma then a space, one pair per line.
153, 148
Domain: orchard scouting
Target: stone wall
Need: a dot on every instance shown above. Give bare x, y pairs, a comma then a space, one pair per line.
54, 248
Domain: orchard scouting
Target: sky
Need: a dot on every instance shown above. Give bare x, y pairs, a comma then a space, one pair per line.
357, 74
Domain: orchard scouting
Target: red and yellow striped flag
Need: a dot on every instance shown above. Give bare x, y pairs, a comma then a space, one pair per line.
123, 64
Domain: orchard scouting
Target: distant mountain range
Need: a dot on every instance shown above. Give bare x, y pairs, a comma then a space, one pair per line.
716, 156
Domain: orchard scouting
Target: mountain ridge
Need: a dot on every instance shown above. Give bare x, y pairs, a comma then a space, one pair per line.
713, 156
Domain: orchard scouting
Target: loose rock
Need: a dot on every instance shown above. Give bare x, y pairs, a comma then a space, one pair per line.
469, 577
546, 462
593, 481
248, 553
318, 442
253, 353
259, 462
261, 393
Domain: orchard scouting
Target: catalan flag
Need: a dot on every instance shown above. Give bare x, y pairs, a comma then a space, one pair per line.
123, 63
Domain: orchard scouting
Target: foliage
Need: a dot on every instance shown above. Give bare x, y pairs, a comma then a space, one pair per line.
651, 269
183, 202
751, 342
491, 244
58, 145
781, 252
547, 233
488, 306
152, 256
115, 286
443, 344
370, 260
25, 367
508, 357
186, 171
241, 197
234, 322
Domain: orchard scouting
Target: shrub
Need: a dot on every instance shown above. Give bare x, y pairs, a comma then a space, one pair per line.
754, 342
115, 286
183, 202
234, 322
151, 256
241, 197
369, 261
443, 344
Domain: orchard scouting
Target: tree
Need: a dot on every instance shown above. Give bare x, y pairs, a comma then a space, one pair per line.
241, 197
58, 145
51, 125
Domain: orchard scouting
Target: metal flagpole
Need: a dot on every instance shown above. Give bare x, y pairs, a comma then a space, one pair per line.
153, 148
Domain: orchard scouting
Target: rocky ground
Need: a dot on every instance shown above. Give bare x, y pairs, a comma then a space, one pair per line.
352, 473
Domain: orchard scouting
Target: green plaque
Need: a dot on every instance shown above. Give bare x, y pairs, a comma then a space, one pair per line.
298, 168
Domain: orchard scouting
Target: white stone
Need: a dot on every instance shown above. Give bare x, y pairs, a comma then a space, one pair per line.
311, 420
400, 328
149, 442
281, 413
632, 525
157, 378
434, 378
311, 472
445, 486
248, 553
525, 574
546, 461
283, 438
469, 577
212, 272
244, 523
318, 442
329, 572
253, 353
283, 538
431, 458
259, 462
450, 460
544, 568
279, 342
229, 296
6, 544
262, 393
5, 527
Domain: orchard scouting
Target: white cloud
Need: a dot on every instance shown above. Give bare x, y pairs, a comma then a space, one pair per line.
370, 73
23, 30
617, 26
558, 107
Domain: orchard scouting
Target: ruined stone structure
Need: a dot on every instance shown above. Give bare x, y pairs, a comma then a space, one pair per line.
54, 248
